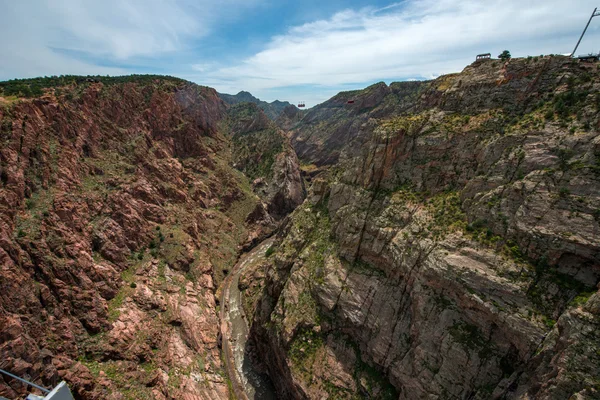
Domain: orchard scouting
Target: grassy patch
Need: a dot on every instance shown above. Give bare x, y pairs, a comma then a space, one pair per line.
37, 208
410, 125
303, 351
581, 299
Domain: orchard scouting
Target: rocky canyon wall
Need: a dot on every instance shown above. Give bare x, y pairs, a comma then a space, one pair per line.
121, 213
451, 248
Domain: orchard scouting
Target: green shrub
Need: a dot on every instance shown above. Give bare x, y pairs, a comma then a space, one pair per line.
505, 55
29, 203
549, 322
270, 251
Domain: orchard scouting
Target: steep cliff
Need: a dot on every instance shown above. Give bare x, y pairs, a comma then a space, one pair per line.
120, 213
450, 250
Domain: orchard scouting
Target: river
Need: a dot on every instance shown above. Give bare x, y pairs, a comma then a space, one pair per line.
246, 382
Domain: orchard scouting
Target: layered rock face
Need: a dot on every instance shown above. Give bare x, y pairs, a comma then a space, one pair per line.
451, 250
120, 214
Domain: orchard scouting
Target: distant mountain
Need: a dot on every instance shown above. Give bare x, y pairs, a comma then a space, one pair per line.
272, 110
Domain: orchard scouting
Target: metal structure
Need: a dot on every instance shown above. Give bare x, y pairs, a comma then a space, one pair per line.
589, 57
60, 392
595, 13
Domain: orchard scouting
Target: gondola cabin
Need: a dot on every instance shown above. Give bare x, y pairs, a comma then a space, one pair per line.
350, 102
301, 105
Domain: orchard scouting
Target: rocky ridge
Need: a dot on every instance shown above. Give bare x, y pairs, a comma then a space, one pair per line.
272, 110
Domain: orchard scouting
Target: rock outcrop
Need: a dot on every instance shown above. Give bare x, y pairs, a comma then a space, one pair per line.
451, 249
289, 117
263, 152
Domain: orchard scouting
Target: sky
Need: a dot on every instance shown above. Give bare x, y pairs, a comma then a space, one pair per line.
277, 49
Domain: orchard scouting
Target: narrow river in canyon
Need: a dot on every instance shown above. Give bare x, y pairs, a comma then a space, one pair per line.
246, 382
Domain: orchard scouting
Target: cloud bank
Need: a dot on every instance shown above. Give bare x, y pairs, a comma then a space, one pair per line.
47, 37
413, 39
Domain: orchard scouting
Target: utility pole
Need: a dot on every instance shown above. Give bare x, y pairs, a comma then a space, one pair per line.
595, 13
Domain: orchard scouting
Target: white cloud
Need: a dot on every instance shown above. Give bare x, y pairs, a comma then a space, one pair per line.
407, 40
403, 40
122, 29
45, 37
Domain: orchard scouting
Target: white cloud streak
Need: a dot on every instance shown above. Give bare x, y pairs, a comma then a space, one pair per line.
46, 37
415, 39
403, 40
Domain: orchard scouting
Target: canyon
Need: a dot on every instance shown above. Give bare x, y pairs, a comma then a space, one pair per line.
419, 240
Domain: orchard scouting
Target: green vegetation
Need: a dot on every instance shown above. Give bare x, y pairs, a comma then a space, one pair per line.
564, 192
581, 299
368, 377
472, 339
505, 55
254, 152
270, 251
36, 210
303, 349
34, 87
549, 322
551, 290
566, 103
447, 214
376, 383
408, 124
117, 372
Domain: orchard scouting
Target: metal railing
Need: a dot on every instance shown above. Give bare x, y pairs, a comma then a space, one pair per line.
25, 381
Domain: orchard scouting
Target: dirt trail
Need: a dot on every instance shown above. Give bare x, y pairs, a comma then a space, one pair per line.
246, 382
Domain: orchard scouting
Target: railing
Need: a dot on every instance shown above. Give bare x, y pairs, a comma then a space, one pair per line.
25, 381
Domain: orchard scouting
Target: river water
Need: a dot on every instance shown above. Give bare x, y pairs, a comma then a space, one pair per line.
246, 381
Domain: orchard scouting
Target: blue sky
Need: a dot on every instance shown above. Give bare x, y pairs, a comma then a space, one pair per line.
289, 50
